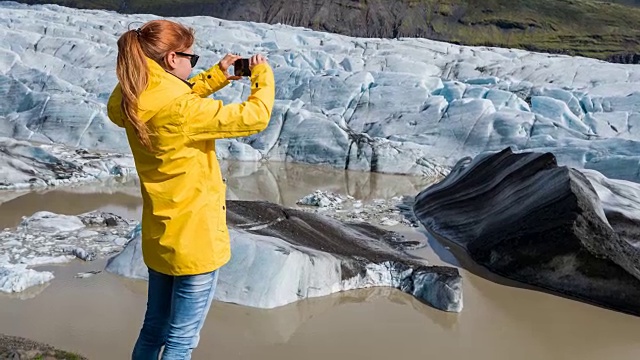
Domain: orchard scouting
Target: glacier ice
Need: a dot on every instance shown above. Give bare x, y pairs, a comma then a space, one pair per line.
267, 272
279, 260
26, 166
321, 199
410, 106
616, 196
52, 223
17, 277
49, 238
46, 238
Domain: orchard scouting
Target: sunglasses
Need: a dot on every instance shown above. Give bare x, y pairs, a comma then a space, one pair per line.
193, 58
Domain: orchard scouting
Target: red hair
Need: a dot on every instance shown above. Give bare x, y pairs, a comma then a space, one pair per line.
154, 40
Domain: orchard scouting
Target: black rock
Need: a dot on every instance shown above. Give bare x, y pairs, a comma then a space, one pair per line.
523, 217
624, 58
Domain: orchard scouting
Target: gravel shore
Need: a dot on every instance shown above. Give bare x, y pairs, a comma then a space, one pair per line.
16, 348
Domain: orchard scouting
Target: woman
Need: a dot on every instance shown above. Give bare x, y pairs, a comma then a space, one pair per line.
171, 124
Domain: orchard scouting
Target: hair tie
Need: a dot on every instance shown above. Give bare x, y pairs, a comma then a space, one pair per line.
138, 30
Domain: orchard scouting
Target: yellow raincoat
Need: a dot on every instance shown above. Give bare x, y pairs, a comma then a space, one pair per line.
184, 229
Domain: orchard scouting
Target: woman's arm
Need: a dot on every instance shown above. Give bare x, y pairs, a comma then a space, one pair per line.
214, 79
206, 118
208, 82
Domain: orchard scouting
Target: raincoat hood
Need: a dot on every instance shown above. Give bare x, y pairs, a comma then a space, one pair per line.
162, 88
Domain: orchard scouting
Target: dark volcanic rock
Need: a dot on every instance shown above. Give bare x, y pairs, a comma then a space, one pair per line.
624, 58
282, 255
525, 218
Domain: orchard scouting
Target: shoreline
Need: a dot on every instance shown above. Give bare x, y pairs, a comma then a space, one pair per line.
99, 316
15, 347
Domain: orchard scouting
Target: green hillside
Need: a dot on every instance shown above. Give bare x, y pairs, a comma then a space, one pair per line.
591, 28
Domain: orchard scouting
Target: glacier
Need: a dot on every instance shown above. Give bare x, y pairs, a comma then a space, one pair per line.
407, 106
28, 166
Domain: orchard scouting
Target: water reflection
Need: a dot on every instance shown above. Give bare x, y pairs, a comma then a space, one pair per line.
275, 182
122, 200
285, 183
27, 294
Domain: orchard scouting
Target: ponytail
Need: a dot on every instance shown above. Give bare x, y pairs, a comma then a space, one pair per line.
133, 75
153, 40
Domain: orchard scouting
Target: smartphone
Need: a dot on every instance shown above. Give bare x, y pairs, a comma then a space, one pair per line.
241, 67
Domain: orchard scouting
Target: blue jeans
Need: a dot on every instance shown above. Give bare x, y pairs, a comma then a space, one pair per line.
176, 309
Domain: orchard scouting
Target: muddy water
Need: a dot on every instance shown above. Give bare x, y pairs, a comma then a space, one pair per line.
100, 316
279, 183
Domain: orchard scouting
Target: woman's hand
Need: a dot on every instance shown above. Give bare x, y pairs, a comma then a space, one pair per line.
226, 62
256, 60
